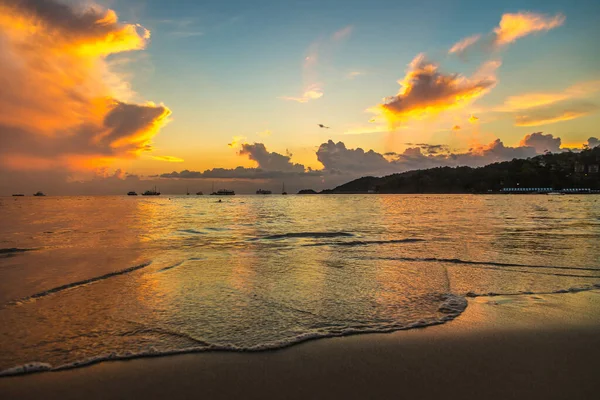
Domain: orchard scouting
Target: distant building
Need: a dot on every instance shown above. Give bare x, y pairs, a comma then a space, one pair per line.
579, 167
526, 190
593, 169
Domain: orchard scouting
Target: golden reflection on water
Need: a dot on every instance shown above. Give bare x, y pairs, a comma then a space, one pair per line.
230, 274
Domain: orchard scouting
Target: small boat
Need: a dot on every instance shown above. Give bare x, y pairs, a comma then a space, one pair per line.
283, 192
132, 194
223, 192
151, 192
39, 194
18, 195
261, 191
199, 194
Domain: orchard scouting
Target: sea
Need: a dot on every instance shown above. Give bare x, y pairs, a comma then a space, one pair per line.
90, 279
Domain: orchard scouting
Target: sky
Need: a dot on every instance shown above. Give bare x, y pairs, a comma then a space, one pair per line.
110, 96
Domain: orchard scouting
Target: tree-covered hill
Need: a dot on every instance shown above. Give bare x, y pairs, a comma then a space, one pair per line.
555, 170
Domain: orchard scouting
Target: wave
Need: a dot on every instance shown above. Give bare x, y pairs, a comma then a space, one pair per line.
192, 231
494, 263
315, 235
78, 283
171, 266
451, 306
12, 251
364, 242
595, 286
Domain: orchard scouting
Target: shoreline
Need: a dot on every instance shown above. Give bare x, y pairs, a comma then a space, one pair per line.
499, 347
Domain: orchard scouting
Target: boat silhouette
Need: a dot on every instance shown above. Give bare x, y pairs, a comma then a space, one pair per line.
151, 192
132, 194
39, 194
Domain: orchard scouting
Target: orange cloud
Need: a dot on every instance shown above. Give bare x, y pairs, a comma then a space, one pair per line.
518, 25
237, 141
464, 44
59, 96
473, 119
538, 120
536, 99
426, 92
168, 159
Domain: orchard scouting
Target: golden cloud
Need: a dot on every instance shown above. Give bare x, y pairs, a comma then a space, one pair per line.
59, 97
168, 159
473, 119
426, 92
518, 25
546, 118
237, 141
464, 44
537, 99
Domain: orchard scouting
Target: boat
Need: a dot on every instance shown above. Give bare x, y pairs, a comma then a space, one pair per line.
199, 194
261, 191
223, 192
132, 194
39, 194
151, 192
283, 192
18, 195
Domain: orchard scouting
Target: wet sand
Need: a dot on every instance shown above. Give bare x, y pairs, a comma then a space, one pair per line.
521, 347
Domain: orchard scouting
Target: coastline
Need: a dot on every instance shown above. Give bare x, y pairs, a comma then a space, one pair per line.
528, 346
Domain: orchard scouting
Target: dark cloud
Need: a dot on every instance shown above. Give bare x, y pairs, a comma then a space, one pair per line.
336, 158
84, 22
593, 142
270, 161
542, 143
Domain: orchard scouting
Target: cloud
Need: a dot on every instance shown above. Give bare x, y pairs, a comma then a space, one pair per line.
537, 99
168, 159
336, 158
354, 74
431, 148
270, 161
593, 142
312, 92
456, 128
237, 141
59, 97
339, 160
426, 92
343, 33
473, 119
551, 115
542, 143
316, 58
518, 25
270, 165
461, 46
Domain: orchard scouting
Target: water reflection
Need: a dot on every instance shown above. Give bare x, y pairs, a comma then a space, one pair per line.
264, 271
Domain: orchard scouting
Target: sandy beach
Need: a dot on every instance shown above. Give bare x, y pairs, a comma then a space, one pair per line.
516, 347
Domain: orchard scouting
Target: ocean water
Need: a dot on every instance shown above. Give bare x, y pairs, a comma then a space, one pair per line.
85, 279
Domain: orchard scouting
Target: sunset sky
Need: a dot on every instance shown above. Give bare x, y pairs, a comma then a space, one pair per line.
120, 92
